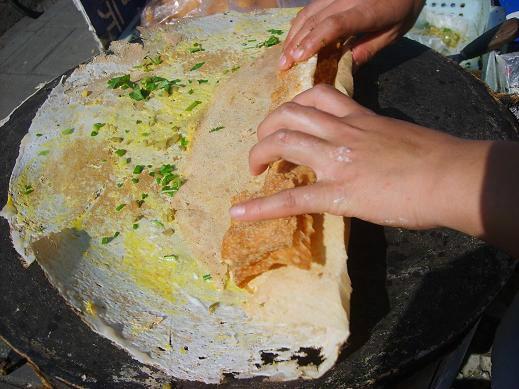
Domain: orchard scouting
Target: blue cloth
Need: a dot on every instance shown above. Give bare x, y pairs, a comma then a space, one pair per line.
505, 352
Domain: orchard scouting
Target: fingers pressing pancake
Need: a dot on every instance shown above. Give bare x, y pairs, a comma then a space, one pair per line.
328, 99
293, 146
297, 201
293, 116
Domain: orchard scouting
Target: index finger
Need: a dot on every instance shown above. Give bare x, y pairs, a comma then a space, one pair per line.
327, 27
313, 198
328, 99
303, 15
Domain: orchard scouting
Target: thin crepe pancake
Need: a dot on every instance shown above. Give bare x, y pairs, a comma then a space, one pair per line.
251, 248
121, 193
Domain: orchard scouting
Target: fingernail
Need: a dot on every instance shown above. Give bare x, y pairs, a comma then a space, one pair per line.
237, 211
298, 53
282, 61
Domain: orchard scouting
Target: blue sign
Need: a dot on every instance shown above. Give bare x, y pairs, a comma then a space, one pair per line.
110, 18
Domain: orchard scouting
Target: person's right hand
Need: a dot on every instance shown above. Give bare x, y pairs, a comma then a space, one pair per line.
386, 171
323, 21
368, 166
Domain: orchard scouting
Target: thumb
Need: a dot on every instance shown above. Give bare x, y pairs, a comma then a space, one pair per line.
369, 45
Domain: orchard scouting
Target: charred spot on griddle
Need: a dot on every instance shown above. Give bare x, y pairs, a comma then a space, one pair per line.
268, 358
229, 375
282, 349
202, 358
136, 39
186, 348
308, 356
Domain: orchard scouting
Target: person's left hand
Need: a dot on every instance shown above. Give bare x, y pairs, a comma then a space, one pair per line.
368, 166
323, 21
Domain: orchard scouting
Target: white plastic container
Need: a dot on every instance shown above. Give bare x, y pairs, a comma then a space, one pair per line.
465, 18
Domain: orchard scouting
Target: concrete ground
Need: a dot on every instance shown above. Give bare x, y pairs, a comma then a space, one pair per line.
33, 51
9, 15
37, 50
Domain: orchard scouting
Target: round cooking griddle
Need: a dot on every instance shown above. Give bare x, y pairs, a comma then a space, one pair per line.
414, 293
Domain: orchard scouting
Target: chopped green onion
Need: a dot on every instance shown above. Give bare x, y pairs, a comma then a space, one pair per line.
149, 62
216, 129
203, 81
275, 32
108, 239
144, 196
165, 169
171, 256
119, 207
158, 223
197, 66
67, 131
97, 126
207, 277
135, 180
193, 105
28, 189
212, 307
156, 61
94, 133
120, 152
139, 94
135, 226
196, 48
39, 134
139, 203
273, 40
190, 92
172, 185
152, 83
183, 142
44, 152
138, 169
168, 178
123, 82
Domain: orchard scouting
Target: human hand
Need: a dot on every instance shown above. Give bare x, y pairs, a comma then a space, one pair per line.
368, 166
324, 21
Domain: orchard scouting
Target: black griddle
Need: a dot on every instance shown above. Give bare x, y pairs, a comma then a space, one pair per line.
414, 293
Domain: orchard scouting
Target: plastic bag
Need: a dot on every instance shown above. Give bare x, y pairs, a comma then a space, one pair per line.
446, 34
167, 11
502, 72
508, 72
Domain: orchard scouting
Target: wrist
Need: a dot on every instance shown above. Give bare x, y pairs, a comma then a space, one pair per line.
458, 192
